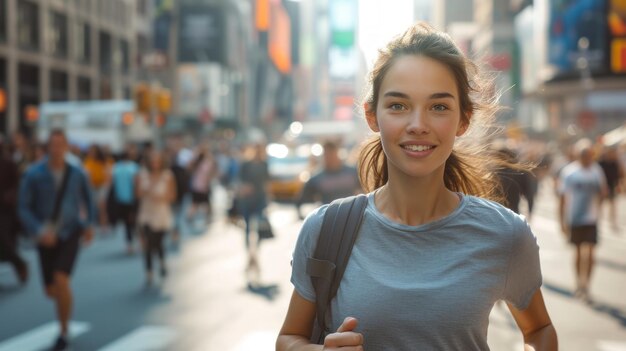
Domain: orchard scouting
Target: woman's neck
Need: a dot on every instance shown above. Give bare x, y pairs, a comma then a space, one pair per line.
427, 200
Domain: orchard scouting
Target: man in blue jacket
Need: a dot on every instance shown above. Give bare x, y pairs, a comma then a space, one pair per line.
56, 206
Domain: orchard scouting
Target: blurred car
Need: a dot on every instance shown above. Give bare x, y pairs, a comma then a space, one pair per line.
289, 168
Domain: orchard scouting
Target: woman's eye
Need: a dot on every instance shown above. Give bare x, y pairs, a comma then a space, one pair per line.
396, 107
440, 108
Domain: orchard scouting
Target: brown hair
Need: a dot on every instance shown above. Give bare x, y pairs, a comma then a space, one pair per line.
470, 167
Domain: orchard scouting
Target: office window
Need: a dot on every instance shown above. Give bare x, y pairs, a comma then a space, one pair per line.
3, 20
142, 7
84, 88
27, 25
125, 53
57, 34
105, 53
58, 86
82, 42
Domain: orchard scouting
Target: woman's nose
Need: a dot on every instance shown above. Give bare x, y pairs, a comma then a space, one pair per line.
417, 123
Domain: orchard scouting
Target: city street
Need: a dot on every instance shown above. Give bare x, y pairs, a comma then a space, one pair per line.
204, 303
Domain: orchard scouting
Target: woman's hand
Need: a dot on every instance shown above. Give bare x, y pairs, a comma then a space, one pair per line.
345, 339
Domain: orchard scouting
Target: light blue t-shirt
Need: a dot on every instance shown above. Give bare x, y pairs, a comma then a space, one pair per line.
582, 189
428, 287
124, 173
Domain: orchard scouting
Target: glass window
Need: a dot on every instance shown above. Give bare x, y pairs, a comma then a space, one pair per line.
57, 34
82, 42
105, 51
27, 25
3, 20
84, 88
58, 86
125, 52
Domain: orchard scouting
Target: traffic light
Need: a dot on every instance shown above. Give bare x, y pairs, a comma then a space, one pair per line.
164, 101
142, 97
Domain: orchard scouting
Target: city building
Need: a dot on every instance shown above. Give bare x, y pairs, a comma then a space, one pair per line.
53, 50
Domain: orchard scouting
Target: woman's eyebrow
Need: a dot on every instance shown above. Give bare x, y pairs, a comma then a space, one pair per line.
442, 96
396, 94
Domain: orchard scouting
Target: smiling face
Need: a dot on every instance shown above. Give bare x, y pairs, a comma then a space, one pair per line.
418, 116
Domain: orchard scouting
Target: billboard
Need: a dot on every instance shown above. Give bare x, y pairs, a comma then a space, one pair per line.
279, 38
201, 37
578, 29
617, 27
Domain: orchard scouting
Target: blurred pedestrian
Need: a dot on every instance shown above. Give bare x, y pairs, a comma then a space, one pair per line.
180, 171
582, 188
431, 258
203, 171
516, 183
56, 206
251, 200
336, 180
156, 191
124, 208
22, 151
9, 222
228, 165
98, 167
614, 173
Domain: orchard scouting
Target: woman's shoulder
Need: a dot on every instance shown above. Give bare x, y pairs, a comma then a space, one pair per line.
311, 226
493, 214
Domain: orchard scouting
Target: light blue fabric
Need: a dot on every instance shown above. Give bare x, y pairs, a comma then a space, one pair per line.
36, 200
124, 173
582, 188
429, 287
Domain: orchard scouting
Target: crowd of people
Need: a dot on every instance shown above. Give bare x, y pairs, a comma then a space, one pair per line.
61, 197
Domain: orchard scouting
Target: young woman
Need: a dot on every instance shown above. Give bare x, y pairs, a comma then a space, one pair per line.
156, 191
432, 258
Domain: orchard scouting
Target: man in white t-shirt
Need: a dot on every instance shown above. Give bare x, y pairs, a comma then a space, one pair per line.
582, 186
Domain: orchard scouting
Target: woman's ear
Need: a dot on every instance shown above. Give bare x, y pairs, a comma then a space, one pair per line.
463, 125
370, 117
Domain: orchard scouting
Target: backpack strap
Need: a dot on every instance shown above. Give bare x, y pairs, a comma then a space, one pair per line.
334, 246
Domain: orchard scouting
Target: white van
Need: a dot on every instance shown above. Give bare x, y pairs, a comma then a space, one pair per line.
113, 123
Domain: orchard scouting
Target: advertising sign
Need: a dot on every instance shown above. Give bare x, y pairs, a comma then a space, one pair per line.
201, 34
577, 29
617, 28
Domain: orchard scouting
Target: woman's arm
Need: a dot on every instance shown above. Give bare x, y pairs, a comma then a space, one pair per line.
296, 330
536, 326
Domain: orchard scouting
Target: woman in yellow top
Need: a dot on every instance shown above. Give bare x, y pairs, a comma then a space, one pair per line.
98, 167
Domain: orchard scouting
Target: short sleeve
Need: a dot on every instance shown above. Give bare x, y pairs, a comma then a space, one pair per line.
524, 270
305, 248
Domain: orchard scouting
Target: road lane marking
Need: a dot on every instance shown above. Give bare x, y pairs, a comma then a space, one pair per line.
42, 336
143, 339
258, 341
605, 345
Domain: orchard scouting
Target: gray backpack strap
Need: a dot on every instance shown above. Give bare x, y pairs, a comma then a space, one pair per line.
337, 236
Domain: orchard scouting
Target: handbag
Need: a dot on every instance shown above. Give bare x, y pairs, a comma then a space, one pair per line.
265, 229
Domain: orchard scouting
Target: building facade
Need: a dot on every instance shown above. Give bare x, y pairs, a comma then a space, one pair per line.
60, 50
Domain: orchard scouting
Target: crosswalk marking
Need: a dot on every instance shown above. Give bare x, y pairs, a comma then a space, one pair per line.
42, 336
143, 339
258, 341
604, 345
